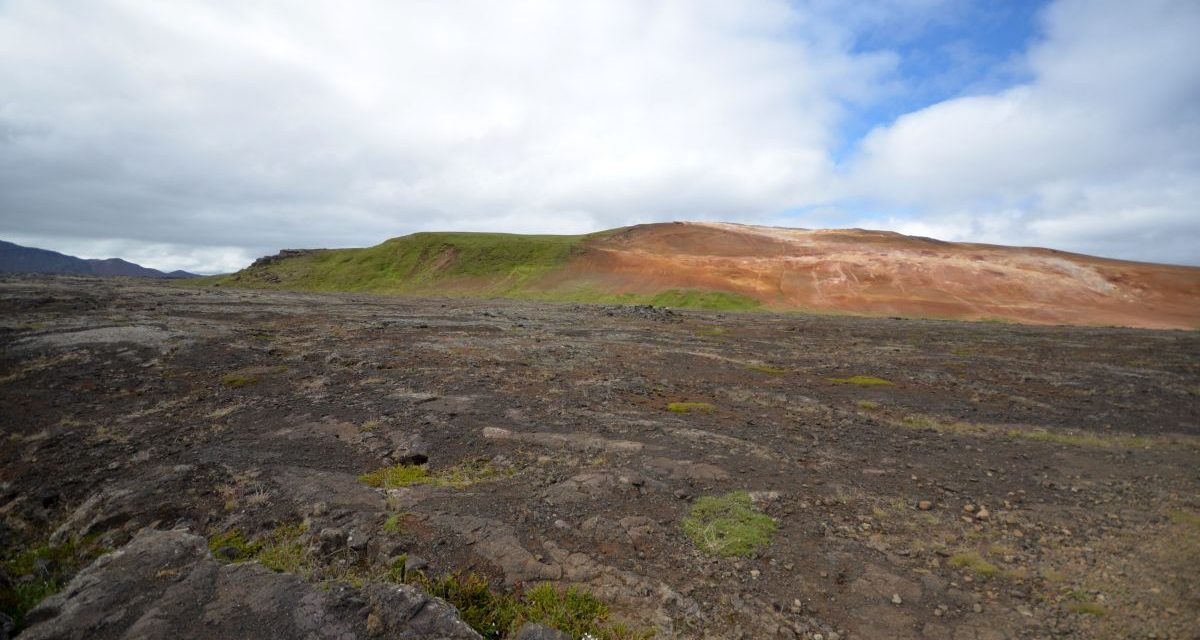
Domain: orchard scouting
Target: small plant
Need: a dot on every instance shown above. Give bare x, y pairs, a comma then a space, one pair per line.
393, 524
491, 614
285, 551
862, 381
691, 407
867, 405
975, 563
728, 525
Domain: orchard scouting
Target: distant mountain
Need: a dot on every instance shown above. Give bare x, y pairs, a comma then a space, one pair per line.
730, 266
15, 258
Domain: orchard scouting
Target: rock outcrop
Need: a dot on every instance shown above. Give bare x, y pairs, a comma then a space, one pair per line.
165, 584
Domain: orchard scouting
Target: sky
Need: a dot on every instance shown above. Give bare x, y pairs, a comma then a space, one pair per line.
201, 135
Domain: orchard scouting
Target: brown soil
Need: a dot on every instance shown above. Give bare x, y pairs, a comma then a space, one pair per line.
884, 273
136, 404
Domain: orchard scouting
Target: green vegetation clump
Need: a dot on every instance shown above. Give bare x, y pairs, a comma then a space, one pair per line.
572, 610
38, 572
1185, 518
767, 369
394, 523
235, 380
864, 381
691, 407
492, 614
235, 540
1097, 440
697, 299
285, 551
975, 563
1106, 441
401, 475
406, 475
728, 525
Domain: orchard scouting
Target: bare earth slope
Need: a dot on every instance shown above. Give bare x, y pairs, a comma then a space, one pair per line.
882, 273
925, 479
727, 266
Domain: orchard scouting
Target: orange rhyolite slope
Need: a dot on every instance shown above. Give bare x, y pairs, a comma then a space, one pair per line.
883, 273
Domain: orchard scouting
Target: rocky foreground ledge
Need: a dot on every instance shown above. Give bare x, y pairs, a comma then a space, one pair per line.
166, 584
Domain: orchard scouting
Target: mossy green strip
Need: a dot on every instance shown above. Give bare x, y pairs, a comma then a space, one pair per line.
864, 381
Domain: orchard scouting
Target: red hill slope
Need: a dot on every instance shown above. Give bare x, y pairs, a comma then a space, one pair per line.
879, 272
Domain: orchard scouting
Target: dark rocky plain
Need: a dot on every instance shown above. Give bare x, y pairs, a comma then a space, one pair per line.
1010, 481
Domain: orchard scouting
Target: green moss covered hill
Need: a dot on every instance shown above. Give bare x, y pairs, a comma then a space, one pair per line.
458, 264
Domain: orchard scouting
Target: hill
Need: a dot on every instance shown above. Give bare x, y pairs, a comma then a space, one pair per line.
15, 258
741, 267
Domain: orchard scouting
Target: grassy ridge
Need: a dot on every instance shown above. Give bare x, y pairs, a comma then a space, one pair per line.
484, 263
458, 264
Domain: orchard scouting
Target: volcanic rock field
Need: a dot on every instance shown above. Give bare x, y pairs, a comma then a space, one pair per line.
195, 462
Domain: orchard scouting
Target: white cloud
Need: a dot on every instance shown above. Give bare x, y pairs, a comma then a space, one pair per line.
327, 124
1099, 152
225, 130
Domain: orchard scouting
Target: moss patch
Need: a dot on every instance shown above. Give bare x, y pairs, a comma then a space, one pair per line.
493, 614
728, 525
235, 380
975, 563
691, 407
1106, 441
38, 572
767, 369
1071, 438
698, 299
1185, 518
864, 381
233, 539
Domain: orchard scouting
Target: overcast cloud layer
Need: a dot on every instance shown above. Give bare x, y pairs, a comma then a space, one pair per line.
201, 135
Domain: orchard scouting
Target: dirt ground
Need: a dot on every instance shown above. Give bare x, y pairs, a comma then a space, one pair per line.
1006, 482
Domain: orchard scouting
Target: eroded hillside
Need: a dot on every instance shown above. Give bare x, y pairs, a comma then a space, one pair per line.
726, 266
